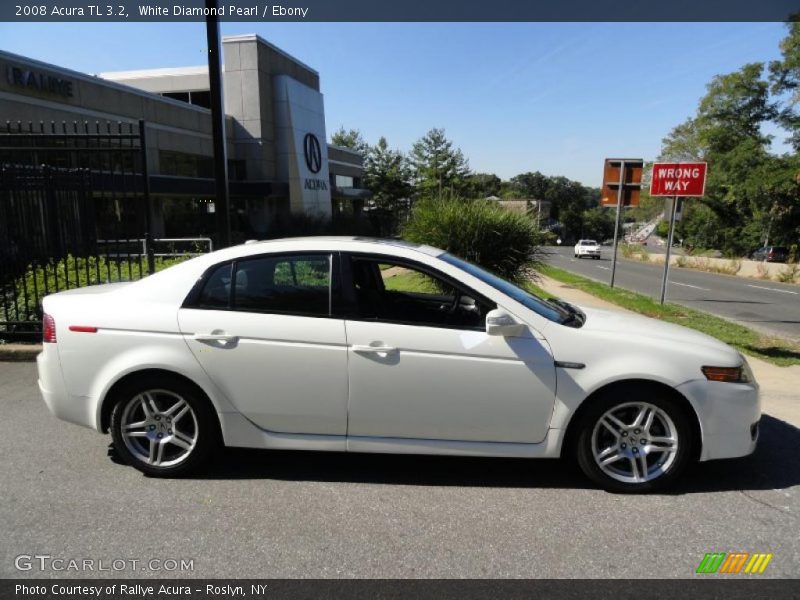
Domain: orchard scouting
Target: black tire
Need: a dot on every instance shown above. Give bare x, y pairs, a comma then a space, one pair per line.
619, 396
203, 427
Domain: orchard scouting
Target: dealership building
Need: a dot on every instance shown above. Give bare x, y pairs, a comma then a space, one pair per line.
279, 163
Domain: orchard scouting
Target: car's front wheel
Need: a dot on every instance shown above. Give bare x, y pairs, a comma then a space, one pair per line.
635, 439
162, 426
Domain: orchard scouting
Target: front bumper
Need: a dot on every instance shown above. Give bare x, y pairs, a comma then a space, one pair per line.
729, 415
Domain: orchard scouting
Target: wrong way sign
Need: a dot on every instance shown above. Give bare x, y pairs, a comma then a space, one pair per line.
678, 179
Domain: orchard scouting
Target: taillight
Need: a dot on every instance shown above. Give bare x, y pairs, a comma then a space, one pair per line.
48, 329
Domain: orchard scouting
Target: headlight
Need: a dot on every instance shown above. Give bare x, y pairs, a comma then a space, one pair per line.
740, 374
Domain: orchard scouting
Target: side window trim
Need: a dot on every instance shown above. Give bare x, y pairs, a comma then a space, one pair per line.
350, 306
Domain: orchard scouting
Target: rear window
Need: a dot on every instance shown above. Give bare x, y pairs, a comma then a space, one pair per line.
588, 243
284, 284
287, 284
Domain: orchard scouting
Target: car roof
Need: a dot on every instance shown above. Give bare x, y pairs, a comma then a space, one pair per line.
171, 283
335, 242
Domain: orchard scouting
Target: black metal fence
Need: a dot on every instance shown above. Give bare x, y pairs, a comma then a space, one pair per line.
74, 211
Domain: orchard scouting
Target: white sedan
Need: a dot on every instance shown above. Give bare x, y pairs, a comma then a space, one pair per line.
347, 344
588, 248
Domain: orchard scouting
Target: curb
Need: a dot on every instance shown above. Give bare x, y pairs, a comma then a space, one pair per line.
19, 352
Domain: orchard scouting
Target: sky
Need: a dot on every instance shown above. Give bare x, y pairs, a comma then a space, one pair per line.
552, 97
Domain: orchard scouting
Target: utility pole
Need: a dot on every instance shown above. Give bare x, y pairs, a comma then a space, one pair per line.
221, 202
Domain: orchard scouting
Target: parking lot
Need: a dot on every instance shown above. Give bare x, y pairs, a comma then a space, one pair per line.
293, 514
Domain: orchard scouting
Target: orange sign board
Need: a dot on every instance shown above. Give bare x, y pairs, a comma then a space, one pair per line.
613, 180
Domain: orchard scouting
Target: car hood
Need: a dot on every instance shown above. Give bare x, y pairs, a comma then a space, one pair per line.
622, 325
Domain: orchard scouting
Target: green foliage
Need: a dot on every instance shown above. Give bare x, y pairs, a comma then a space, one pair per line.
569, 201
350, 138
387, 175
68, 273
483, 185
502, 241
662, 229
785, 79
598, 223
751, 195
439, 167
777, 351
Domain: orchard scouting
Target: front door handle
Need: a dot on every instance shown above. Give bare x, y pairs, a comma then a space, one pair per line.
374, 349
214, 337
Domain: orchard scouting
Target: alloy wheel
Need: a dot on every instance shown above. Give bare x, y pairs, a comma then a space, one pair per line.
159, 428
635, 442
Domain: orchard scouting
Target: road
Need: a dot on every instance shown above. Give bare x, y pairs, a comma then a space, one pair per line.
294, 514
771, 307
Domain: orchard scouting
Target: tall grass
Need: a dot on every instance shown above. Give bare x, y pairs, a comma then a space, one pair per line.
479, 231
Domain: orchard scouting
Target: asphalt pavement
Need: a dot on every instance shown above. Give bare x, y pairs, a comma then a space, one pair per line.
301, 514
768, 306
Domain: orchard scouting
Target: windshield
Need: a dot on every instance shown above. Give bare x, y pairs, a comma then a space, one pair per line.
538, 305
588, 243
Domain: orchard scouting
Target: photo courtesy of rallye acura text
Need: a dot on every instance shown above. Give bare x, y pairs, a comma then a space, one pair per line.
350, 344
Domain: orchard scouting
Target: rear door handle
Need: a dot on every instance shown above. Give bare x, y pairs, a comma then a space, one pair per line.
214, 337
374, 349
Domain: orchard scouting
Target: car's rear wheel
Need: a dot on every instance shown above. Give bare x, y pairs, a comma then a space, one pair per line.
637, 439
163, 427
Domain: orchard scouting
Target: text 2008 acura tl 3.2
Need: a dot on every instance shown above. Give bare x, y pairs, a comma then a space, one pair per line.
358, 345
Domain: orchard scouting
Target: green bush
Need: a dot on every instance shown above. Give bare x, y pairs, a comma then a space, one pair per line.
479, 231
24, 303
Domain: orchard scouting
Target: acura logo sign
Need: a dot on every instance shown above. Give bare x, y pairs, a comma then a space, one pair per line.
313, 153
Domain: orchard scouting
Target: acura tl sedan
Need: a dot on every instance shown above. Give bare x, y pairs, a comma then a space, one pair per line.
359, 345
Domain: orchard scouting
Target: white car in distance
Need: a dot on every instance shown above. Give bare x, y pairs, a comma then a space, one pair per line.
349, 344
588, 248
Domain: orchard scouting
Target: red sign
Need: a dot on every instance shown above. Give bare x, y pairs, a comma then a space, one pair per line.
678, 179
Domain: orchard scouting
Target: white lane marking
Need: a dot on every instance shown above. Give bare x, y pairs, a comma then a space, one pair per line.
697, 287
604, 268
761, 287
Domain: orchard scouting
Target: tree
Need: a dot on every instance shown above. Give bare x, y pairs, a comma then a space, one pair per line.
351, 139
598, 223
439, 167
531, 185
734, 108
483, 185
748, 189
388, 176
784, 76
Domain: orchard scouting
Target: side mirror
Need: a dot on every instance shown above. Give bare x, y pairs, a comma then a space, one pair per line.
499, 322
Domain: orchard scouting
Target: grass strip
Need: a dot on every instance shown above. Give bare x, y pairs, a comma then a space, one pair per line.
775, 350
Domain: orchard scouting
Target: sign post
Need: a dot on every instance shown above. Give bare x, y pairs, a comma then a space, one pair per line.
677, 180
622, 179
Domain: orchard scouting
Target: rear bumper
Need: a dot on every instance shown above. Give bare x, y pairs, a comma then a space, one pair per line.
54, 391
729, 415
